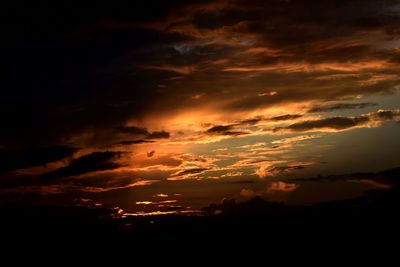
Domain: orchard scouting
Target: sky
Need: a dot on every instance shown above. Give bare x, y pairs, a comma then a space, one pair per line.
168, 106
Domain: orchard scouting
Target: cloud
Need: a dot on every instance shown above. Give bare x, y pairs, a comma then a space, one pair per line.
286, 117
144, 161
276, 191
371, 182
336, 123
225, 130
251, 121
281, 187
259, 119
96, 161
177, 47
263, 171
186, 173
185, 70
340, 106
342, 123
150, 153
85, 165
381, 180
133, 142
386, 114
142, 132
274, 169
219, 61
248, 193
11, 160
220, 128
322, 67
158, 135
133, 130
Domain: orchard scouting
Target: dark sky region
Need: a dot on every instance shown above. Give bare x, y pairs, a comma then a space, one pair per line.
169, 106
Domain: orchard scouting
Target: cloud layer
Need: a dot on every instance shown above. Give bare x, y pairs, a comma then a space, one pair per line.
101, 97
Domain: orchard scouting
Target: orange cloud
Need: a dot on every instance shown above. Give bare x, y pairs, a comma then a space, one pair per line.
281, 187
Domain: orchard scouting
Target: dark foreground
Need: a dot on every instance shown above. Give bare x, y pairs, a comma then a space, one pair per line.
371, 222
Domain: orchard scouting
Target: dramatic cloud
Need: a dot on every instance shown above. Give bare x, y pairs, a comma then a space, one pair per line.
221, 90
180, 60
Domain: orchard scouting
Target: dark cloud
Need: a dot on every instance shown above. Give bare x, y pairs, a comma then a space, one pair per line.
342, 123
133, 142
286, 117
220, 128
225, 130
387, 114
102, 183
158, 135
96, 161
165, 160
25, 158
336, 123
189, 171
251, 121
276, 118
340, 106
143, 132
280, 169
389, 177
150, 153
133, 130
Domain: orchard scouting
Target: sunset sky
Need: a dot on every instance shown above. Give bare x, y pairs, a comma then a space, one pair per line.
171, 106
